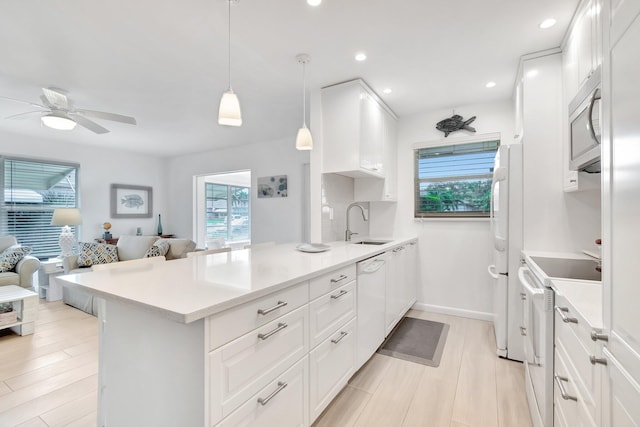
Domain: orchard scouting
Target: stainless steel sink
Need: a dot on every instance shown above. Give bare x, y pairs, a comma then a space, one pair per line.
371, 242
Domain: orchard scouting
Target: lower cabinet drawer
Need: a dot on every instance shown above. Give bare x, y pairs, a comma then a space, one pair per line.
331, 365
331, 310
239, 369
282, 403
571, 401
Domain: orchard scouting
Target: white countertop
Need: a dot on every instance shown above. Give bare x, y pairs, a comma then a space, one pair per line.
585, 297
186, 290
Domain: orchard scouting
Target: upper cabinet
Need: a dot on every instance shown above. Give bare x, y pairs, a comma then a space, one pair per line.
583, 47
358, 131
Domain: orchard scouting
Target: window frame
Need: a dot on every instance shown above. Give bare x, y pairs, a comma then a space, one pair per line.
417, 213
229, 213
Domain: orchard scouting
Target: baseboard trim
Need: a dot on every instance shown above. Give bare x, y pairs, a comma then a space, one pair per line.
452, 311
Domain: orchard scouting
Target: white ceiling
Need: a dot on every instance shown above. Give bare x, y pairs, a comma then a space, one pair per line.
165, 61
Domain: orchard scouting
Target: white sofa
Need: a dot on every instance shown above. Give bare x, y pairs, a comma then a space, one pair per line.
128, 248
22, 274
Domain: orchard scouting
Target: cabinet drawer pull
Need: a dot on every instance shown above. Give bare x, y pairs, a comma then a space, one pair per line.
523, 296
565, 319
339, 294
265, 311
264, 400
523, 331
342, 335
280, 327
563, 392
339, 279
600, 360
595, 336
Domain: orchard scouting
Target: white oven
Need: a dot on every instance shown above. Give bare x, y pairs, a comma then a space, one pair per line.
537, 331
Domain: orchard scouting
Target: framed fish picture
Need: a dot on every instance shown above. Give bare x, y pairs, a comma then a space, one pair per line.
131, 201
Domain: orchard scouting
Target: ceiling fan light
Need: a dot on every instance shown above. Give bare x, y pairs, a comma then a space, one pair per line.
303, 139
229, 113
58, 122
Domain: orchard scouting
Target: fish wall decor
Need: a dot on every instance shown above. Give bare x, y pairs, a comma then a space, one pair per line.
455, 123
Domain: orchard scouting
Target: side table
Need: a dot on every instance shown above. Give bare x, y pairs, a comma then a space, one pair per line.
48, 287
25, 303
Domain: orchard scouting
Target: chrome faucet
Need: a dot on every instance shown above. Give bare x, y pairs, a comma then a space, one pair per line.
348, 233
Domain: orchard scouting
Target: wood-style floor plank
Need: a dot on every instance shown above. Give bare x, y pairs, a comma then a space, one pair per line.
369, 377
72, 411
42, 374
345, 409
33, 422
513, 408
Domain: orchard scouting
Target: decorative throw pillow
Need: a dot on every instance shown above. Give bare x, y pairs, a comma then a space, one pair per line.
96, 253
159, 248
10, 257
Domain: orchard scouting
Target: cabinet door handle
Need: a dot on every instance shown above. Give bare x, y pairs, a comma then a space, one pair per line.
340, 278
264, 400
558, 379
523, 296
280, 327
565, 319
595, 336
342, 335
600, 360
523, 331
339, 294
265, 311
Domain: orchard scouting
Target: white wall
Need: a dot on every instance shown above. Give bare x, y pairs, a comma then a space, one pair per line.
276, 219
99, 168
454, 254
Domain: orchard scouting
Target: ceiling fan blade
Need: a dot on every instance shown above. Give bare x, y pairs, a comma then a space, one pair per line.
25, 115
107, 116
55, 98
86, 123
24, 102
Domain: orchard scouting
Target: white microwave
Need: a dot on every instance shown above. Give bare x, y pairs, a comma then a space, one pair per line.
584, 127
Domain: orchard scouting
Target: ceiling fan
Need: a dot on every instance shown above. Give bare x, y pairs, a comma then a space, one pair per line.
58, 112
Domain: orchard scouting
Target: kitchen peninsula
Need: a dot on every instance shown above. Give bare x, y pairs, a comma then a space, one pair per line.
263, 335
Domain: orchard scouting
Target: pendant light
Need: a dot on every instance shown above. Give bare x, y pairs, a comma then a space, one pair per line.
229, 113
303, 139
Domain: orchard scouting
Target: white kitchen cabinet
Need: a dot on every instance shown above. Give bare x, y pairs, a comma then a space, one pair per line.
583, 48
374, 189
353, 123
330, 311
401, 283
282, 403
331, 364
621, 210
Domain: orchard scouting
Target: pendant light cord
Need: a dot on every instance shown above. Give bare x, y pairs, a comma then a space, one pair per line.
304, 94
229, 39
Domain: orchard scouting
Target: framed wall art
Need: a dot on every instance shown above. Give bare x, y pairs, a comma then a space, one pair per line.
272, 186
131, 201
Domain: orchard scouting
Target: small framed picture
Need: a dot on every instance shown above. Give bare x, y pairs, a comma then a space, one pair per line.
272, 186
131, 201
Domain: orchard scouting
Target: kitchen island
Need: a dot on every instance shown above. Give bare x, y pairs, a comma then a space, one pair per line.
212, 340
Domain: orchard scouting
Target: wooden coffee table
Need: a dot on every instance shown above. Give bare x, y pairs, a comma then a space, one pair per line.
25, 303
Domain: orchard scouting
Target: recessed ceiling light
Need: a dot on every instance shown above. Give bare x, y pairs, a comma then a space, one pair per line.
490, 84
314, 2
532, 73
361, 57
547, 23
387, 91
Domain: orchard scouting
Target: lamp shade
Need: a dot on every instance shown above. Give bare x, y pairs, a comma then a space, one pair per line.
303, 139
66, 216
229, 113
58, 121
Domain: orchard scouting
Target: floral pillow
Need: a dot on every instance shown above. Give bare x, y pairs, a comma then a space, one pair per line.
159, 248
96, 253
11, 256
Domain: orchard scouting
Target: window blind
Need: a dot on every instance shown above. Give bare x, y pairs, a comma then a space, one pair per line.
31, 191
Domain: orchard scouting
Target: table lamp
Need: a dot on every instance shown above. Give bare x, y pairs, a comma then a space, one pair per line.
66, 217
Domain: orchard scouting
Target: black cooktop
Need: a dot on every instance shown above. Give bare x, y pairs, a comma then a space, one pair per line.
577, 269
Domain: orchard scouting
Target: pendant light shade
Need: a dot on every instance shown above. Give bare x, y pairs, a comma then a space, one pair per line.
229, 113
304, 141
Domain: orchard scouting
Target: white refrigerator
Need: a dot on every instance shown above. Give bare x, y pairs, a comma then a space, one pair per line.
506, 245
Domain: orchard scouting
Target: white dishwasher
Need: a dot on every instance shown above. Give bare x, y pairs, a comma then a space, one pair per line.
371, 307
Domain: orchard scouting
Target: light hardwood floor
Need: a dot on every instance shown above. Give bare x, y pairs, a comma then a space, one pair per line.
471, 387
50, 379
